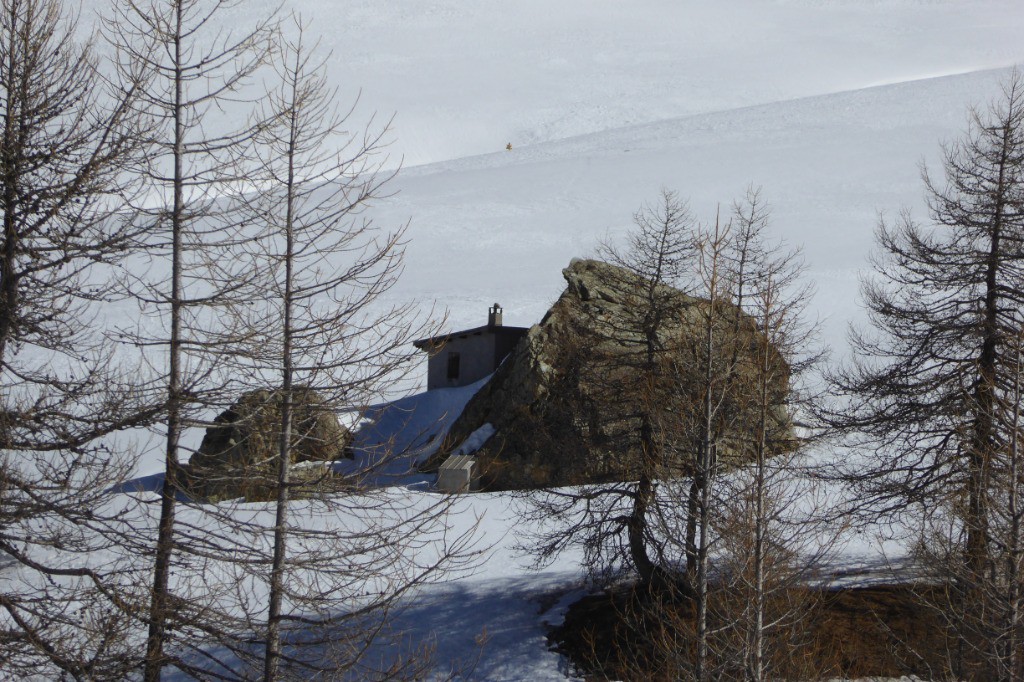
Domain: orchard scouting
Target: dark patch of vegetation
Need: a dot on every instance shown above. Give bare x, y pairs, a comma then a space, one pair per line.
883, 630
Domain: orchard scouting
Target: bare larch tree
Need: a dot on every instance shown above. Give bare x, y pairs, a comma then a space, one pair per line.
773, 537
929, 397
193, 70
316, 321
68, 144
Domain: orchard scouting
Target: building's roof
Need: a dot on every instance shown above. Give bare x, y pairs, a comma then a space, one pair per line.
458, 462
438, 341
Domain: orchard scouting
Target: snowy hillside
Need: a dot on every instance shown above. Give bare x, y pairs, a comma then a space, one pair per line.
828, 105
466, 78
502, 226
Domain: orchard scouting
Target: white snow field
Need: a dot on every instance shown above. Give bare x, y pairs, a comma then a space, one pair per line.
828, 105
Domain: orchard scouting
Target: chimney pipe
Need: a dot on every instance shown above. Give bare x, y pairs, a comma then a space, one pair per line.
494, 316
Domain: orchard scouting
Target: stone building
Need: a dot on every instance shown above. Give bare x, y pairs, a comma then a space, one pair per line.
463, 357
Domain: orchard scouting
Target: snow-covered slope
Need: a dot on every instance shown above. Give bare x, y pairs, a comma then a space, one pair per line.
465, 78
500, 227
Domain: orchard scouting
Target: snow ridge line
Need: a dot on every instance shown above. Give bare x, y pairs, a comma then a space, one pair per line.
561, 148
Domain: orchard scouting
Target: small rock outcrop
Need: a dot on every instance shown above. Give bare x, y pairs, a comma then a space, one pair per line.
238, 455
563, 405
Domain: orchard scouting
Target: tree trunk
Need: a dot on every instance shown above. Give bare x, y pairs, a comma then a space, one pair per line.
273, 652
160, 598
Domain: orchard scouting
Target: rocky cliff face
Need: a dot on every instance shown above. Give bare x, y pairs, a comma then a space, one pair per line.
565, 404
238, 455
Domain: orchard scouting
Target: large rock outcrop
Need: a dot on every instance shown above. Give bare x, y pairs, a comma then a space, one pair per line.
238, 455
565, 404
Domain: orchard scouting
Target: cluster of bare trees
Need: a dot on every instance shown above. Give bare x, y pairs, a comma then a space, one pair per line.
929, 410
700, 378
247, 253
